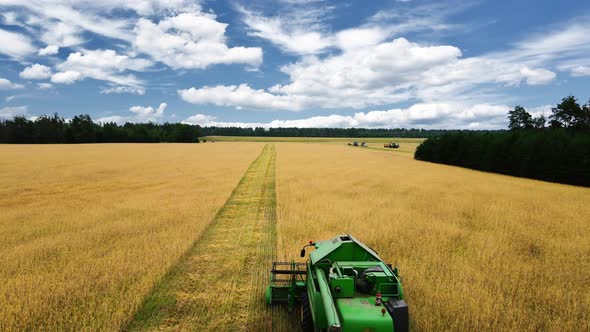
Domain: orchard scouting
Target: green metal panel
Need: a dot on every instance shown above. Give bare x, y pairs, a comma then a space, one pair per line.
361, 314
342, 287
342, 247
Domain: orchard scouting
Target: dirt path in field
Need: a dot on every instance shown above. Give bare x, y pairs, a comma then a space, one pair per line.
219, 284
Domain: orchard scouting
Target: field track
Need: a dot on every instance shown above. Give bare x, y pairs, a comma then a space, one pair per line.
219, 283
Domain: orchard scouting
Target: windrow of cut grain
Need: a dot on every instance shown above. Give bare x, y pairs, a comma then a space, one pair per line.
476, 250
86, 231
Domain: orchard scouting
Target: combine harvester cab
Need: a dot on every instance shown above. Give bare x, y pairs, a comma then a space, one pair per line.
344, 286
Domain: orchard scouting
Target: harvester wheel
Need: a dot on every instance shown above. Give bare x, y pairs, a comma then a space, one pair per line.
306, 318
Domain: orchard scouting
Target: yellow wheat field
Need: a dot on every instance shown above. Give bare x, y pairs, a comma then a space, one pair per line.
476, 251
86, 231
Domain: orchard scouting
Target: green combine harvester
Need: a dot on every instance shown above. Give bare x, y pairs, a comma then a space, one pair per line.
343, 286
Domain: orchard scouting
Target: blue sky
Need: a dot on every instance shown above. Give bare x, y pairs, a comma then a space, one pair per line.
386, 64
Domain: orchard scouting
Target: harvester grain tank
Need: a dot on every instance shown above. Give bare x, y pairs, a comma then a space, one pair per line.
343, 287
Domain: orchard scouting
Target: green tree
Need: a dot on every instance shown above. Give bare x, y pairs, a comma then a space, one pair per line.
539, 121
567, 113
582, 121
519, 118
83, 129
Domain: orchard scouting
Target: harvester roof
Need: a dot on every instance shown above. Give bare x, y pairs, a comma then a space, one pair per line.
342, 248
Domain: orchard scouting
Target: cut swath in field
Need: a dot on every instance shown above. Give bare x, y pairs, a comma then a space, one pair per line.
219, 284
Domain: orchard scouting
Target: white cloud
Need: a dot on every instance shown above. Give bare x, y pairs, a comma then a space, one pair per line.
200, 119
176, 33
123, 89
10, 112
544, 110
15, 45
36, 72
580, 71
10, 18
62, 34
44, 86
8, 85
300, 29
360, 77
297, 32
62, 22
368, 74
191, 40
149, 113
49, 50
537, 76
369, 70
118, 119
148, 7
480, 116
104, 65
241, 96
66, 77
140, 114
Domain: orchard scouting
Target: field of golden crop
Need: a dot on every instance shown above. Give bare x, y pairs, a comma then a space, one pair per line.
86, 231
180, 236
476, 251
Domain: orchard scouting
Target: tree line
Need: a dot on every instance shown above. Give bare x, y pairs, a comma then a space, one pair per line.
554, 148
325, 132
81, 129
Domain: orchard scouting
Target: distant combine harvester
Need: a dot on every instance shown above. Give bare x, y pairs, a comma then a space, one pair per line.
391, 145
355, 143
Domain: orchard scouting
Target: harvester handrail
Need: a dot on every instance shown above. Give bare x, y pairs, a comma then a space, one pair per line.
331, 313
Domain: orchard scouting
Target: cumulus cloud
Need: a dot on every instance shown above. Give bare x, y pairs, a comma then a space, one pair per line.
149, 113
15, 45
44, 86
191, 40
8, 85
537, 76
368, 74
139, 114
49, 50
200, 119
241, 96
441, 115
104, 65
66, 77
361, 77
36, 72
10, 112
184, 37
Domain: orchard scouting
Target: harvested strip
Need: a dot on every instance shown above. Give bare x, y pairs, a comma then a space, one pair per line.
219, 285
